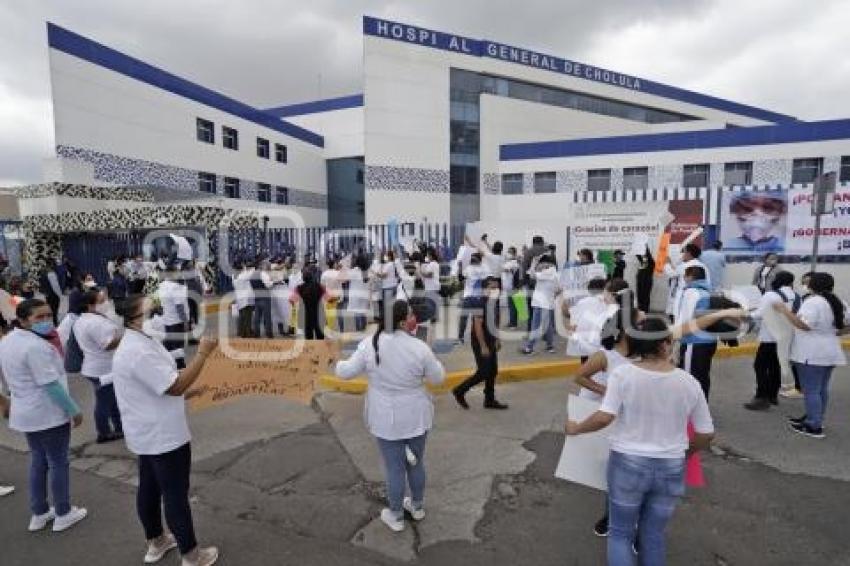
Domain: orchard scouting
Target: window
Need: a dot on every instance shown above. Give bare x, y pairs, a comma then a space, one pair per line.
206, 182
805, 170
740, 173
206, 131
695, 175
463, 179
599, 180
280, 153
282, 195
512, 184
544, 182
844, 174
262, 148
231, 187
230, 137
636, 178
264, 192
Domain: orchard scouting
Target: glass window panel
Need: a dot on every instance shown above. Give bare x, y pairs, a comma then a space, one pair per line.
512, 184
544, 182
806, 170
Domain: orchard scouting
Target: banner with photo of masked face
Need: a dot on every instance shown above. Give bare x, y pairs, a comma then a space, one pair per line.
754, 222
781, 221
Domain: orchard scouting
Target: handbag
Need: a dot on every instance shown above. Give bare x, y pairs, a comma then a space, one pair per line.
73, 354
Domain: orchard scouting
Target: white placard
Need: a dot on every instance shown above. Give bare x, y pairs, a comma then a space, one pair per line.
474, 231
639, 244
184, 249
584, 458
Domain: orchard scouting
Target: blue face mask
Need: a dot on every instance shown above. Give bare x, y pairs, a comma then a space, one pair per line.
43, 327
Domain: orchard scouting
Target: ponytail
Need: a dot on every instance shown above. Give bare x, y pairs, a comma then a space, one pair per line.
822, 284
399, 314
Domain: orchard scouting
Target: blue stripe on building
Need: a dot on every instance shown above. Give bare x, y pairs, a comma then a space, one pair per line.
792, 132
73, 44
316, 106
425, 37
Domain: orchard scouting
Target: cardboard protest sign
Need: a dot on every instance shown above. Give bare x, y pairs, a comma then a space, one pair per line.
574, 280
584, 458
243, 367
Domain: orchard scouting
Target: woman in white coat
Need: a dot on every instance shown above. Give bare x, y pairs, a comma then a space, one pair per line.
399, 411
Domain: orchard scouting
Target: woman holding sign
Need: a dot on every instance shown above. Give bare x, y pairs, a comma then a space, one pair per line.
150, 391
649, 403
399, 411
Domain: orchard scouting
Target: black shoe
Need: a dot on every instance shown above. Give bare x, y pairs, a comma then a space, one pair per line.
494, 405
461, 400
757, 404
797, 420
111, 437
600, 529
807, 430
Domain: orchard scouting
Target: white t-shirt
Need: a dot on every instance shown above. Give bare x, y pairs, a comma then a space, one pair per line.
613, 360
767, 301
331, 282
431, 283
819, 346
154, 422
589, 316
397, 404
29, 364
472, 284
172, 295
652, 411
508, 269
391, 269
546, 288
493, 264
94, 332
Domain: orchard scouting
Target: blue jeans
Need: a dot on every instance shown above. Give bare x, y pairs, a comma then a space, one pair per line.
105, 409
359, 320
400, 473
50, 459
643, 493
546, 318
815, 383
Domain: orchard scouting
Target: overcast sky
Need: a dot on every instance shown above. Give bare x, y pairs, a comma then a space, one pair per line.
783, 55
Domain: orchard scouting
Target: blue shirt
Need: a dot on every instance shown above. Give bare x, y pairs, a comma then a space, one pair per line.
715, 263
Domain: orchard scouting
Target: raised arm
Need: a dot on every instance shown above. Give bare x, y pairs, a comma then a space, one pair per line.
186, 378
701, 323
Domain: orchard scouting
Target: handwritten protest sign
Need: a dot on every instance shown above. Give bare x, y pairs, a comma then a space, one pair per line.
574, 280
243, 367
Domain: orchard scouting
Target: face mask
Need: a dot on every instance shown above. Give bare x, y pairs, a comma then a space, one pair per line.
757, 225
493, 293
43, 327
410, 324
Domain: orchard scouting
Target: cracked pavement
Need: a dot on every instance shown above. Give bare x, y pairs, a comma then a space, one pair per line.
280, 483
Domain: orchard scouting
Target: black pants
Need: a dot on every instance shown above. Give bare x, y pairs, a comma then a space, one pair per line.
164, 482
644, 291
176, 340
263, 316
245, 323
696, 360
486, 370
796, 378
313, 323
53, 301
768, 371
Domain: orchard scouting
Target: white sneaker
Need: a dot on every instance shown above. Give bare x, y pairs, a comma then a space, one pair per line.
68, 520
6, 490
201, 557
157, 552
394, 523
38, 522
417, 514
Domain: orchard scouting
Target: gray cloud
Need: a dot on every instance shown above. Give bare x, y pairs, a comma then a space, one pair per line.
271, 52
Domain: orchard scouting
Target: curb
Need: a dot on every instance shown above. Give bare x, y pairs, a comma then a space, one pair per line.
517, 373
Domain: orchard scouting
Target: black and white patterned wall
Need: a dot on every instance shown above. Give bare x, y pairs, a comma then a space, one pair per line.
110, 168
383, 178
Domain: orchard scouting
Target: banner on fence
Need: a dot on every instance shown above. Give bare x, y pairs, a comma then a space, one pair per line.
781, 221
616, 225
225, 378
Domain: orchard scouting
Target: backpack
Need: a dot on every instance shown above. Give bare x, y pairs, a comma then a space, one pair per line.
73, 354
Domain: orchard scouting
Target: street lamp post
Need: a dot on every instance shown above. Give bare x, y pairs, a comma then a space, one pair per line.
823, 202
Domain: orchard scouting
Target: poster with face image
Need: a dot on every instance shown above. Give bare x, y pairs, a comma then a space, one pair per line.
754, 222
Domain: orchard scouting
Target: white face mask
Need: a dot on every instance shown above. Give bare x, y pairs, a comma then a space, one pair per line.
757, 225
